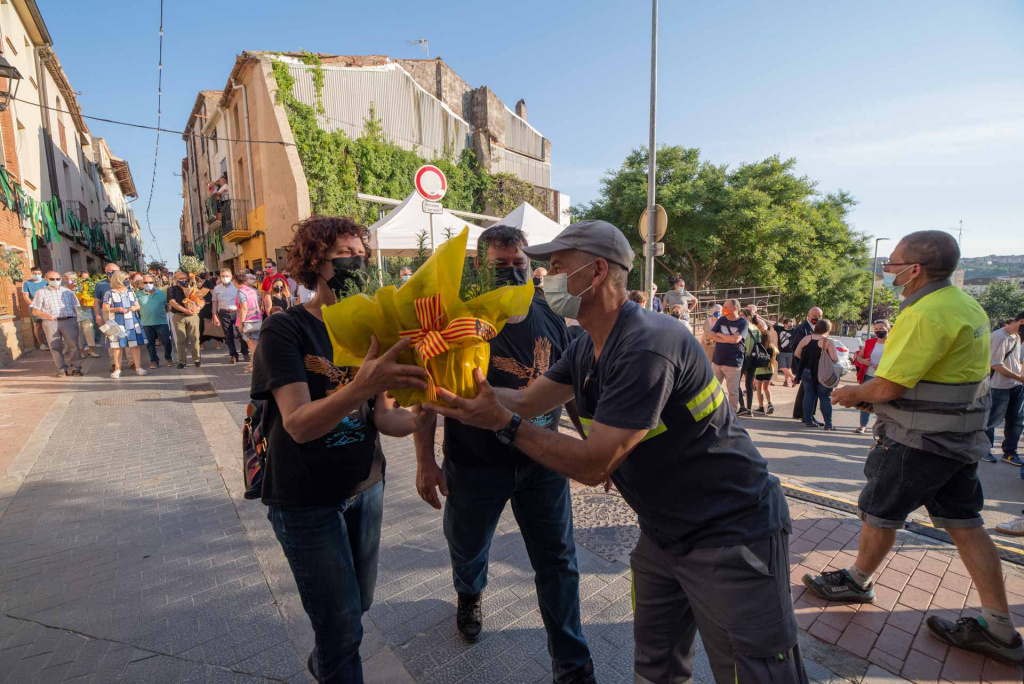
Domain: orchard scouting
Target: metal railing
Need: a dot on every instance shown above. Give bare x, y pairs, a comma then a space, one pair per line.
188, 248
767, 299
229, 215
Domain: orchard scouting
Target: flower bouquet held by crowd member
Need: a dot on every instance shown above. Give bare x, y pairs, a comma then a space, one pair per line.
867, 360
808, 353
1007, 391
186, 302
324, 482
931, 401
121, 306
713, 554
77, 283
153, 314
481, 475
55, 306
250, 318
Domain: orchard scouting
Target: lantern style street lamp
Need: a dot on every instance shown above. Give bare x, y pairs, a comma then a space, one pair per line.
13, 76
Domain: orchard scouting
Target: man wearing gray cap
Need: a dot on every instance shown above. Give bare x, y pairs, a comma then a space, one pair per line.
713, 554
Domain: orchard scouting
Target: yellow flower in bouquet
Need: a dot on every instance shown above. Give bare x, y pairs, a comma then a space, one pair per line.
450, 336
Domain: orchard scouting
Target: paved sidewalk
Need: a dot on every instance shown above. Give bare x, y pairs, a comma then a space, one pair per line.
128, 555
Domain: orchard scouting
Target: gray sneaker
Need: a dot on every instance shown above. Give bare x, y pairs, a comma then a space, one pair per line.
837, 585
971, 634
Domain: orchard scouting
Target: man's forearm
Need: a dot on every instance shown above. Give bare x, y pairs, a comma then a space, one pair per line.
877, 391
512, 400
563, 454
424, 441
1007, 373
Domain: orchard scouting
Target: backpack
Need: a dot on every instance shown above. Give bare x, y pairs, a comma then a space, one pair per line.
254, 449
757, 354
829, 372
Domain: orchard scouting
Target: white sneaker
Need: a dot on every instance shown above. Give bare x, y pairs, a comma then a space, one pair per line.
861, 430
141, 371
1014, 528
116, 374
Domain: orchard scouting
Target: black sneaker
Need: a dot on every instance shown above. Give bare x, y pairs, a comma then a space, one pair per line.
469, 617
180, 366
771, 409
837, 585
582, 675
972, 634
744, 412
760, 409
198, 363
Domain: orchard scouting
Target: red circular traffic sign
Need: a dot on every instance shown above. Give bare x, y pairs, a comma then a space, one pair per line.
431, 183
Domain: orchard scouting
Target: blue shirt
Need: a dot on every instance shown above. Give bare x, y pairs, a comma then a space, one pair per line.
101, 289
30, 287
153, 307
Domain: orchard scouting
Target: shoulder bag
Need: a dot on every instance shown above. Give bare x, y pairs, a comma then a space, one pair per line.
829, 372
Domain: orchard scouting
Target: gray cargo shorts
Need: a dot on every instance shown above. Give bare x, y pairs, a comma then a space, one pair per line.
737, 597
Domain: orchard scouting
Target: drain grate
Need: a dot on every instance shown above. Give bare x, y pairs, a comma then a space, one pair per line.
127, 398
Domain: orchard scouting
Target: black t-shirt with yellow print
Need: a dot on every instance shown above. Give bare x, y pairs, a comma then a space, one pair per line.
295, 347
696, 480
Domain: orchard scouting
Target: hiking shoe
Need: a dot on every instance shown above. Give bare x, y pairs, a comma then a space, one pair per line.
153, 364
972, 634
170, 364
837, 585
771, 409
744, 412
990, 458
1012, 459
469, 617
581, 675
1014, 528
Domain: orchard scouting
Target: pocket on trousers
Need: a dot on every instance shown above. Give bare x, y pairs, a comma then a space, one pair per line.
766, 641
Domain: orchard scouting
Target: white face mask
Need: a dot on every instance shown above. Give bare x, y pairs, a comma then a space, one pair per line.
149, 288
226, 280
556, 292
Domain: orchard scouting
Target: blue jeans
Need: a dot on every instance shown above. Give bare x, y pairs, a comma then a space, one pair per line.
543, 509
1008, 409
815, 392
152, 331
332, 551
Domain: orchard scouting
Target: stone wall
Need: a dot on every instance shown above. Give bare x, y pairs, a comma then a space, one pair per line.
441, 81
13, 326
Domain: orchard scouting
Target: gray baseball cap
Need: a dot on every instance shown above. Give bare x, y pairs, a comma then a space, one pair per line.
599, 238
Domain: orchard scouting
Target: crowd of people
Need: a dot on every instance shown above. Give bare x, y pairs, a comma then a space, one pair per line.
655, 410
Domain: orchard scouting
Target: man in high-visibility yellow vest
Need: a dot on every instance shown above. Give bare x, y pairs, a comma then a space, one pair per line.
931, 397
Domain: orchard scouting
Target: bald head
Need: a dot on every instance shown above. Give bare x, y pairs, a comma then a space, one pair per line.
815, 312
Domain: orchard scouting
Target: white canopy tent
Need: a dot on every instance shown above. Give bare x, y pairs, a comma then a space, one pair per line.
398, 233
537, 227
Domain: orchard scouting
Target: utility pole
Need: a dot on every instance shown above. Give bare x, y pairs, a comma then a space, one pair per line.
651, 162
874, 269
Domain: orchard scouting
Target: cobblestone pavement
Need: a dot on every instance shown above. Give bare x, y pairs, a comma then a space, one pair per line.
127, 555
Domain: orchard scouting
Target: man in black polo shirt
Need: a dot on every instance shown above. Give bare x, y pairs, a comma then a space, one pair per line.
713, 554
481, 475
803, 330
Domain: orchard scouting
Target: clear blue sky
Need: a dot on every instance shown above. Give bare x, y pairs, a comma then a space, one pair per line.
916, 108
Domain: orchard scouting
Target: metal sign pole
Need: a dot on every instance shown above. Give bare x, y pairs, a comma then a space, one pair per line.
651, 154
431, 232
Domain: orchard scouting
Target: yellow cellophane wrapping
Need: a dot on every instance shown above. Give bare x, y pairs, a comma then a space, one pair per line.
352, 321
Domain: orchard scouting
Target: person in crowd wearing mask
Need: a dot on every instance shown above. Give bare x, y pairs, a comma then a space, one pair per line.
729, 333
867, 360
83, 314
153, 310
679, 296
714, 313
137, 282
249, 319
324, 480
404, 274
122, 306
1007, 391
270, 277
764, 374
809, 353
677, 313
278, 298
208, 330
481, 475
55, 306
803, 330
186, 320
99, 292
538, 275
713, 553
656, 304
786, 335
225, 313
931, 401
756, 327
33, 284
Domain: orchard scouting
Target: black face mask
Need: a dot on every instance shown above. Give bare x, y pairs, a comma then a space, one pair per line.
675, 315
347, 269
510, 275
881, 334
537, 280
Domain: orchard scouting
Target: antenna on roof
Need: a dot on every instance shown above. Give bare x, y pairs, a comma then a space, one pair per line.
423, 43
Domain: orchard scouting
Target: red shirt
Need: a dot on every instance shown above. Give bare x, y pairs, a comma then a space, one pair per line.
268, 282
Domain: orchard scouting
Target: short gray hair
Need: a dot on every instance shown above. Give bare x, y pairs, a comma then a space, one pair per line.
935, 250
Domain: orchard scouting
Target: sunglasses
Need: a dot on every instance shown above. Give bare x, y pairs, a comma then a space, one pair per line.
53, 280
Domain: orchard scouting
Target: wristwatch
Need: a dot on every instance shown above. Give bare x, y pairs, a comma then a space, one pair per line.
507, 434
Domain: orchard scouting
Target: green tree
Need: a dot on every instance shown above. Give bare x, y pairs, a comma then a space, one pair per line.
1002, 301
760, 224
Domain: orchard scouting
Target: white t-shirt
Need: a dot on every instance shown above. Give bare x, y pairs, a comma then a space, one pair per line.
304, 295
876, 358
1006, 351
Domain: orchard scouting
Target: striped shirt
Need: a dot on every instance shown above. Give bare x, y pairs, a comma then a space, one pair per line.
59, 303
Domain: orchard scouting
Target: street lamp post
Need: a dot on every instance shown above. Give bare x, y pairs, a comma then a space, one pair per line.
651, 163
874, 268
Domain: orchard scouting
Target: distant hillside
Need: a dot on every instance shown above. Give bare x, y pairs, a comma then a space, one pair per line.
993, 265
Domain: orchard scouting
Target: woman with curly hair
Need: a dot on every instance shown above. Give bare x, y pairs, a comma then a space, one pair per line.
324, 480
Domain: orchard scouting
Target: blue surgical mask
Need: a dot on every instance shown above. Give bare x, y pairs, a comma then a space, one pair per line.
149, 288
36, 277
890, 281
556, 292
406, 277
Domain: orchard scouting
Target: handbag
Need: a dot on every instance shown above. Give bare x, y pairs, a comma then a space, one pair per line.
254, 449
250, 327
829, 372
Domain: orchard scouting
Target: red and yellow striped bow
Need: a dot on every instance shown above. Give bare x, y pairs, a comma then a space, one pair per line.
435, 337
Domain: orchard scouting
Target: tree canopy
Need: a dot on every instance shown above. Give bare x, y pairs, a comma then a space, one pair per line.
759, 224
1002, 301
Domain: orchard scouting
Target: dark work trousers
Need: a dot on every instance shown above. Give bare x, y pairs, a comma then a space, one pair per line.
798, 403
543, 508
163, 333
737, 597
227, 324
747, 380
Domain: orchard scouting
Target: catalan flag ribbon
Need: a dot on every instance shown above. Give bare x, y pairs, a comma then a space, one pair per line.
435, 337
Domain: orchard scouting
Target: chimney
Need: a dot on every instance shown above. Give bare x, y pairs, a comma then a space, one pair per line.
521, 109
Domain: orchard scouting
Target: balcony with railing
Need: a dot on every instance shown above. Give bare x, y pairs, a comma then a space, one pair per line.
187, 248
230, 217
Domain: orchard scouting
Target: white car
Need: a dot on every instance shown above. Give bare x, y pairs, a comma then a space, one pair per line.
843, 352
